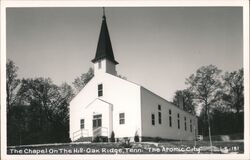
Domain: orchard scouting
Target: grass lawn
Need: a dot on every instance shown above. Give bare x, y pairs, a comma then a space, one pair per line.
171, 147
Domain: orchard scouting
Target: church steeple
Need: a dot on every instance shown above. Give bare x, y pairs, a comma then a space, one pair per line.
104, 61
104, 48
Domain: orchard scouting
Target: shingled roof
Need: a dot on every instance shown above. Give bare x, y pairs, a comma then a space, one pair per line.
104, 47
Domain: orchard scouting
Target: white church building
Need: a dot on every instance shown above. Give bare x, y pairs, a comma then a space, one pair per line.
109, 103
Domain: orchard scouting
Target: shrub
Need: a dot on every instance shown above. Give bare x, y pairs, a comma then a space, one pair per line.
112, 138
157, 139
136, 138
104, 139
100, 139
97, 139
125, 143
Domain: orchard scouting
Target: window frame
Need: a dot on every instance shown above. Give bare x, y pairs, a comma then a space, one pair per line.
121, 119
159, 118
100, 90
178, 121
170, 118
97, 121
191, 126
185, 123
159, 107
82, 123
153, 119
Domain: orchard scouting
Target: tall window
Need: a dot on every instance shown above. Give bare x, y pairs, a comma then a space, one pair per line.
100, 90
185, 123
82, 123
159, 107
159, 116
97, 121
170, 118
153, 119
122, 118
191, 127
178, 117
99, 64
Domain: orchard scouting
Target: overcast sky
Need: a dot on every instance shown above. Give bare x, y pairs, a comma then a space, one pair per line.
157, 48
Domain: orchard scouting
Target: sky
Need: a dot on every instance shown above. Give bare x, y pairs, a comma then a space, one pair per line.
156, 47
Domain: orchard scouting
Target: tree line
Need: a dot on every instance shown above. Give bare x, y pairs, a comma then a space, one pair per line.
217, 97
37, 108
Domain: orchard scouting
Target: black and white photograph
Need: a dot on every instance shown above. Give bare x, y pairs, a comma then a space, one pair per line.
94, 81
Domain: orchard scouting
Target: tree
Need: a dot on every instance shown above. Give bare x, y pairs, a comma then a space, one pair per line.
232, 126
136, 137
40, 90
188, 100
81, 81
112, 137
233, 89
51, 101
42, 94
61, 113
12, 83
37, 109
122, 77
205, 85
233, 94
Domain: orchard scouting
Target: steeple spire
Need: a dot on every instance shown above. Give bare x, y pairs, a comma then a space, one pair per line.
104, 48
103, 10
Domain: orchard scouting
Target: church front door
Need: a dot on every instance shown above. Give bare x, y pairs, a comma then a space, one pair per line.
97, 121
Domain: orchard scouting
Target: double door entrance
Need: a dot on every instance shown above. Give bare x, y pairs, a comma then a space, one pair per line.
98, 129
97, 121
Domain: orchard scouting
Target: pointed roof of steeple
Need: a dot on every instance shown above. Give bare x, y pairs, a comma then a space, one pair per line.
104, 47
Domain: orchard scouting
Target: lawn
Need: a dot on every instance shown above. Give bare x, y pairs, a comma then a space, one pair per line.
171, 147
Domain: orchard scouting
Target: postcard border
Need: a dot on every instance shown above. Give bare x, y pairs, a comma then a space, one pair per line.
138, 3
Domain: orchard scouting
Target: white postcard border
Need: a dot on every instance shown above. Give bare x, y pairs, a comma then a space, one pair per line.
117, 3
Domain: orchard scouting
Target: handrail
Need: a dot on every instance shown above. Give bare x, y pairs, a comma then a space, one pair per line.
100, 131
80, 133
